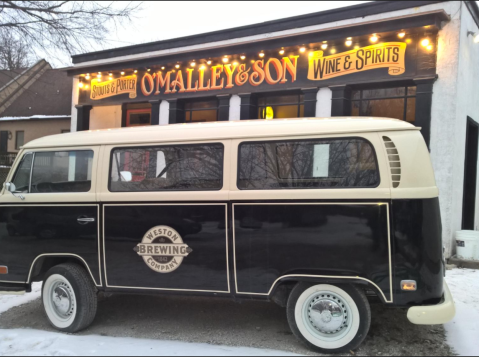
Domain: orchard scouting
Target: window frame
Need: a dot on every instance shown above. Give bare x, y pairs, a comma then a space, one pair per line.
17, 147
306, 140
84, 196
200, 109
136, 111
298, 104
110, 161
405, 97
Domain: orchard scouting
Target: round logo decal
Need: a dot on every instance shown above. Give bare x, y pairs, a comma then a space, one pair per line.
162, 249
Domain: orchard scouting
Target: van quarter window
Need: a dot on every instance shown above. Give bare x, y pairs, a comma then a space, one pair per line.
60, 171
175, 168
307, 164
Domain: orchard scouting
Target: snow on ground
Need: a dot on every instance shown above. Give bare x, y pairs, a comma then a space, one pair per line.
41, 343
9, 301
463, 331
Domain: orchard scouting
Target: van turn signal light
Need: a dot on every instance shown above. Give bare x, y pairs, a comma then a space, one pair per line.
3, 270
408, 285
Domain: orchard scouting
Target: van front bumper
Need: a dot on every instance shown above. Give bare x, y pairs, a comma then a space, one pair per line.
434, 314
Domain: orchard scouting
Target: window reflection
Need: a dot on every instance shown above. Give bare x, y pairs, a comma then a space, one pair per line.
281, 106
397, 102
201, 111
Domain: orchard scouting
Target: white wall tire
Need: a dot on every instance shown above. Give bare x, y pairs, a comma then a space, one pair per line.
329, 318
69, 298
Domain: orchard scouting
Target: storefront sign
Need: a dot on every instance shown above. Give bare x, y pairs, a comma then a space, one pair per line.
272, 71
105, 89
389, 55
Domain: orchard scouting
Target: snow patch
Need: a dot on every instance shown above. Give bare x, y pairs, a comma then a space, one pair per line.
37, 117
463, 331
9, 301
41, 343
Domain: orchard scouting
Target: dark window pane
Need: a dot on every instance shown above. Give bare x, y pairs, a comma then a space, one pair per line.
356, 94
281, 99
139, 118
62, 171
201, 105
384, 92
301, 111
411, 90
169, 168
355, 109
21, 179
204, 115
388, 108
411, 110
307, 164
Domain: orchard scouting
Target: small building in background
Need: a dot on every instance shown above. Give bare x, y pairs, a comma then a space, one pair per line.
34, 102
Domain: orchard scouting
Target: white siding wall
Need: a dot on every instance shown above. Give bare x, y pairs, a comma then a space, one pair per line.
456, 96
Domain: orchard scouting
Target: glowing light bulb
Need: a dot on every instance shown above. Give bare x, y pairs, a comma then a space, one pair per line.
177, 66
87, 76
80, 84
203, 67
374, 38
401, 34
243, 57
193, 64
208, 63
110, 74
149, 69
122, 73
235, 63
324, 46
425, 42
349, 42
302, 49
429, 48
333, 51
281, 52
163, 68
408, 40
311, 54
225, 59
261, 54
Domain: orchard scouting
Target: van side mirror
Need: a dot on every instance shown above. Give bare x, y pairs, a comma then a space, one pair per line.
10, 187
126, 176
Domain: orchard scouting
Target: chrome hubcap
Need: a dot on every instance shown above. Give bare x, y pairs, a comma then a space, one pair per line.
63, 300
328, 313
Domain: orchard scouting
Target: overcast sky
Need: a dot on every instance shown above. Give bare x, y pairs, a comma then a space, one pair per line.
160, 20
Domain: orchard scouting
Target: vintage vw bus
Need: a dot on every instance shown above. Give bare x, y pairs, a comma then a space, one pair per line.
317, 215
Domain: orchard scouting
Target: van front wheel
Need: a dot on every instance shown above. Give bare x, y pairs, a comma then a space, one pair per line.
69, 298
329, 318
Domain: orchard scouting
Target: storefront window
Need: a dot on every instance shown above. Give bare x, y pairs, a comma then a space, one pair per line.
281, 106
138, 114
201, 111
398, 102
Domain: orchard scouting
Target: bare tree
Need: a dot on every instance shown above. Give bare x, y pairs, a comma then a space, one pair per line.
63, 26
14, 53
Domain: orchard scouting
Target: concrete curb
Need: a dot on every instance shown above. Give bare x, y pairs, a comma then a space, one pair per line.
460, 263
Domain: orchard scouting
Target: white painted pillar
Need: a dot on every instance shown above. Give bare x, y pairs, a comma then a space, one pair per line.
323, 105
74, 111
235, 107
164, 112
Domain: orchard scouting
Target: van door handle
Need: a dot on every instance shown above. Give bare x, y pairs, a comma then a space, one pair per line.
85, 220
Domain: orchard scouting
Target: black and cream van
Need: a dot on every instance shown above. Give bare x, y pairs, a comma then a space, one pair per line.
317, 215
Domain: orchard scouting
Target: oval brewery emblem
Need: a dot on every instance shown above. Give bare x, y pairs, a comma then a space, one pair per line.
162, 249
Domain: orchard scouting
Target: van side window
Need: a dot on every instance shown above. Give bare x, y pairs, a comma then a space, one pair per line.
167, 168
62, 171
307, 164
21, 179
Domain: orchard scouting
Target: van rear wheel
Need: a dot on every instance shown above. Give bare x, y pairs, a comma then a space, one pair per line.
329, 318
69, 298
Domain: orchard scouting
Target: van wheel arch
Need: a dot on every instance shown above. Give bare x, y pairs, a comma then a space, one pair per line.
283, 288
43, 264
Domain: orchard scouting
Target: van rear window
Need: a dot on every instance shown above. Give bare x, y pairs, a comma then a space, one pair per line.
167, 168
307, 164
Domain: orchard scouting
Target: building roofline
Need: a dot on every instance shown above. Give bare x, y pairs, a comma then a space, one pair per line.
316, 18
